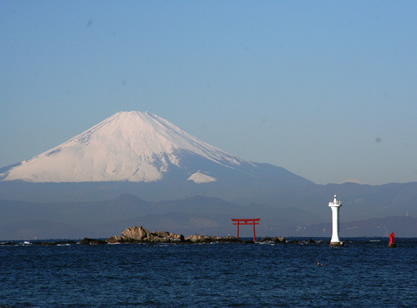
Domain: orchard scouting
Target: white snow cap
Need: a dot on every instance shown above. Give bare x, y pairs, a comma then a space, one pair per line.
128, 146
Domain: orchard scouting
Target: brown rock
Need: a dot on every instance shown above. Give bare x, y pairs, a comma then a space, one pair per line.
114, 239
135, 234
196, 238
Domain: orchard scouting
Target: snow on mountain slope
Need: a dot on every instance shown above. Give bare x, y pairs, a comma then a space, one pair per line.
128, 146
199, 178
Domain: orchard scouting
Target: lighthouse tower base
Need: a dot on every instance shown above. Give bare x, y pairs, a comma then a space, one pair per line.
336, 244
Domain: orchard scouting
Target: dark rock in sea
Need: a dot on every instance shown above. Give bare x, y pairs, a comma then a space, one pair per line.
248, 242
198, 238
48, 244
280, 239
38, 243
89, 241
274, 239
58, 243
266, 239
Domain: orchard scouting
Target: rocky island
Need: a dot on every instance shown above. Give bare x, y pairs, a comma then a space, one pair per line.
141, 235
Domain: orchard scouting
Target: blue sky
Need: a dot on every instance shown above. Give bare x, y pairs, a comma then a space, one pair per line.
325, 89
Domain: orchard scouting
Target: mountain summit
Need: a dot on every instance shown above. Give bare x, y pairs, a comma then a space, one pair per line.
128, 146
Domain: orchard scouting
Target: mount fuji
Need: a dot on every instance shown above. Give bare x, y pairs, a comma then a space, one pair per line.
140, 147
128, 146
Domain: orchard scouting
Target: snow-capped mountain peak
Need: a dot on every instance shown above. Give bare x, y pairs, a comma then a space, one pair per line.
128, 146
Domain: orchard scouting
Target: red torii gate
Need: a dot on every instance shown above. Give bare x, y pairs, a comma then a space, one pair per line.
249, 221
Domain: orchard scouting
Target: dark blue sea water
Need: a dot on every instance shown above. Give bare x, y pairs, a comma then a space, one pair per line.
362, 273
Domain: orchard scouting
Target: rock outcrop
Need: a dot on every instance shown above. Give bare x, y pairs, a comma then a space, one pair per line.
141, 235
274, 239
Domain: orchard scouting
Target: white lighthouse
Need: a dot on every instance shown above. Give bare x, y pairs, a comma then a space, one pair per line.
335, 205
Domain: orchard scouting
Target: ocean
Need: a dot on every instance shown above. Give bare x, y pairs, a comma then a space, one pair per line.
364, 272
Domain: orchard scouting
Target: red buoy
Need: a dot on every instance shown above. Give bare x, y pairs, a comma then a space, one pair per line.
392, 240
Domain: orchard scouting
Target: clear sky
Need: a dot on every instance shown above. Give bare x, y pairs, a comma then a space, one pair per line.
325, 89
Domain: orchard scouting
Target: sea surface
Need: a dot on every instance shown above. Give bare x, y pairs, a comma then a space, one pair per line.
364, 272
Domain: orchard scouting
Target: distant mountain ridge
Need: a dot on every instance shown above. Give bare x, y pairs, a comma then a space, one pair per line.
198, 214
